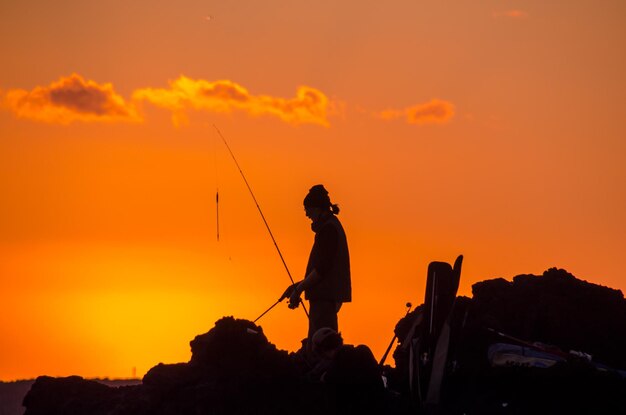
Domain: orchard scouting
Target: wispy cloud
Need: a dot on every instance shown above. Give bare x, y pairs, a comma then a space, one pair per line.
511, 14
309, 106
435, 111
70, 99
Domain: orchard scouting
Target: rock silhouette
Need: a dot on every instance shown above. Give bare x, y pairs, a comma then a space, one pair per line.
234, 369
556, 313
556, 309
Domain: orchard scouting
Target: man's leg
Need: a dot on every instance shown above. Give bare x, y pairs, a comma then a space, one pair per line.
322, 314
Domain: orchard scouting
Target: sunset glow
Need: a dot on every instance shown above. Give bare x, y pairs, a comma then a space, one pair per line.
489, 129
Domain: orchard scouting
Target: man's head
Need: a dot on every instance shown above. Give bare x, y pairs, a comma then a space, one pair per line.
317, 197
317, 202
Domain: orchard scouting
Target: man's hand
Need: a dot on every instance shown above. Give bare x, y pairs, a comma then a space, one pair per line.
293, 292
287, 294
294, 299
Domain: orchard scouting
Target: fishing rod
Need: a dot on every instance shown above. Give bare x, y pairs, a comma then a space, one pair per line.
267, 311
262, 217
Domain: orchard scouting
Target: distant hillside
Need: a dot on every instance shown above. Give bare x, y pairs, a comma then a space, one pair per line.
11, 396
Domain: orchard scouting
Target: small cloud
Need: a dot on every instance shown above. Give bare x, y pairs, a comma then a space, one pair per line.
511, 14
70, 99
434, 112
309, 106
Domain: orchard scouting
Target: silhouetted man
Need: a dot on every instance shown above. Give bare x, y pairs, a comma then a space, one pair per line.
327, 283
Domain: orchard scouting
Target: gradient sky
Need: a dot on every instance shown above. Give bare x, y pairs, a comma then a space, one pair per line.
494, 129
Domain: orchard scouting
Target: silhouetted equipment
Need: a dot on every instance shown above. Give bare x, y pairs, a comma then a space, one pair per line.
441, 288
260, 211
217, 196
395, 336
429, 336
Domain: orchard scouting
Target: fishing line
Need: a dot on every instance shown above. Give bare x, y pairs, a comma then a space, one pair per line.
261, 212
217, 213
217, 193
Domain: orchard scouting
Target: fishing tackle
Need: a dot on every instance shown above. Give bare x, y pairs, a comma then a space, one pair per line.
217, 213
382, 361
262, 216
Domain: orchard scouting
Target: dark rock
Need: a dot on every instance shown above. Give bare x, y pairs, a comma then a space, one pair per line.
171, 376
234, 369
556, 310
70, 395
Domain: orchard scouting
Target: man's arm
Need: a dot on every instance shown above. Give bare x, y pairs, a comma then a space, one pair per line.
324, 251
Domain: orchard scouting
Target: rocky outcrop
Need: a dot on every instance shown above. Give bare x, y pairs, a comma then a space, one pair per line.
554, 312
558, 309
234, 369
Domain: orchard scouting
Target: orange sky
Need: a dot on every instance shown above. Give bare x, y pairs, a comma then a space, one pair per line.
489, 128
